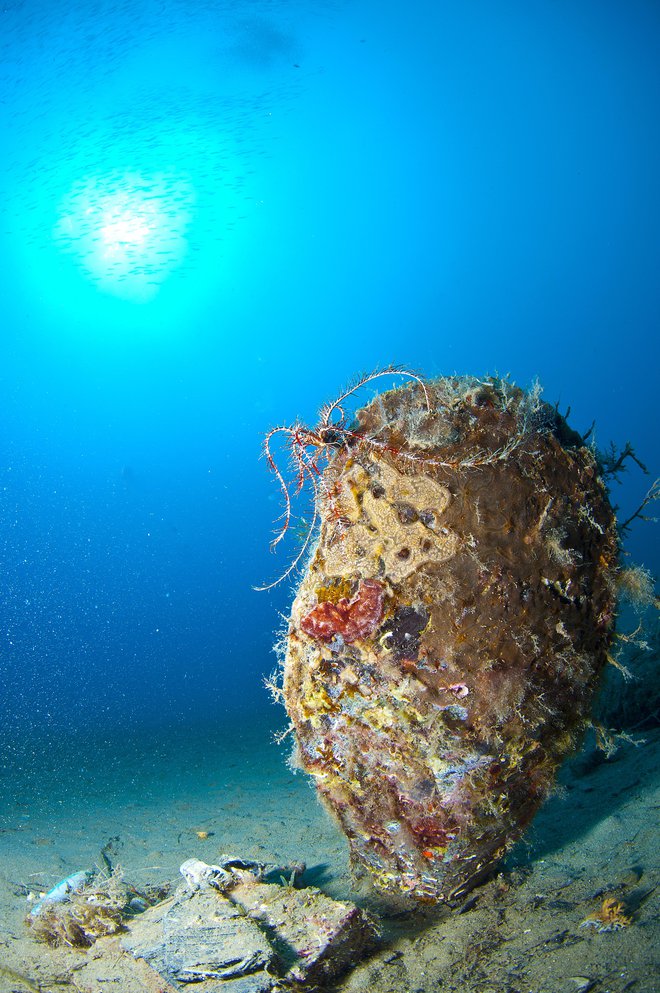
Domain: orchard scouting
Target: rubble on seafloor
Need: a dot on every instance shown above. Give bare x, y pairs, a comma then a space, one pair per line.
226, 928
242, 927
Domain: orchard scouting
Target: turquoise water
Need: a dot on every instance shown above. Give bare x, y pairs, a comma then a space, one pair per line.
213, 215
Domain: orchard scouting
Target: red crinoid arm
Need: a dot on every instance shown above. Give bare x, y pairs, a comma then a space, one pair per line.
286, 516
307, 466
299, 442
329, 409
294, 565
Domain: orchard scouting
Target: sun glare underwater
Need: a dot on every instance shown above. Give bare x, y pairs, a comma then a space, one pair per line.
155, 205
127, 232
138, 132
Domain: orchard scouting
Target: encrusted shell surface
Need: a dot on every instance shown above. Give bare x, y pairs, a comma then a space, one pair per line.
468, 551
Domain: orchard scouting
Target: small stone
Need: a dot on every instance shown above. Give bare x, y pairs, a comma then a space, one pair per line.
324, 936
582, 983
197, 936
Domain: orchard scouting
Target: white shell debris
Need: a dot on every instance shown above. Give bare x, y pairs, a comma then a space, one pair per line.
199, 876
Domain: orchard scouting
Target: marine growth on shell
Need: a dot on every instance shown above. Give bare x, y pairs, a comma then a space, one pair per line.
451, 624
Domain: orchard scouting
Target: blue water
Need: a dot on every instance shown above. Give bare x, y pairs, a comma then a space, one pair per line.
212, 216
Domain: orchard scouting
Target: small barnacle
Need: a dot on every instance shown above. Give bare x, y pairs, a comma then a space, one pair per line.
458, 689
428, 518
406, 512
611, 916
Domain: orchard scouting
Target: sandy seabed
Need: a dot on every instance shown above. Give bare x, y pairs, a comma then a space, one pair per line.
522, 932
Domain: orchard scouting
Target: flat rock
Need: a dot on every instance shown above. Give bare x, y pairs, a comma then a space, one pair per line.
241, 939
203, 936
318, 938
